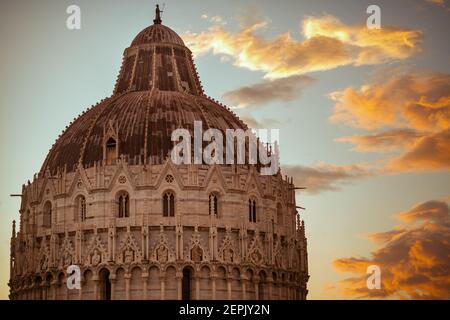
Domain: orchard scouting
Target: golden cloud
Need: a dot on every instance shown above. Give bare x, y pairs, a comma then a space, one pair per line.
416, 101
327, 44
428, 211
409, 113
413, 258
431, 152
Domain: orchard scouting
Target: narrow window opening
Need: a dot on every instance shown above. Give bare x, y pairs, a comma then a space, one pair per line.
111, 151
213, 205
168, 204
186, 284
124, 205
82, 208
47, 219
105, 285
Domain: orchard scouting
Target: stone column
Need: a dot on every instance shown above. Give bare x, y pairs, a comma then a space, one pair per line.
80, 291
228, 288
66, 294
179, 277
280, 291
256, 284
53, 289
270, 287
244, 288
127, 286
113, 288
44, 291
162, 278
213, 279
95, 280
32, 293
197, 288
145, 285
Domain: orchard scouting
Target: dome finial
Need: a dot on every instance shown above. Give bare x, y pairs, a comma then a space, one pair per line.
158, 15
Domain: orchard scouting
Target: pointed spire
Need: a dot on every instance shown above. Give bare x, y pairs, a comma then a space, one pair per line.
157, 15
14, 229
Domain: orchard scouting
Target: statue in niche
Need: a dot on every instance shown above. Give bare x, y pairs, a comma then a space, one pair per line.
44, 262
279, 260
25, 264
295, 260
67, 259
256, 256
96, 258
196, 254
128, 256
228, 255
162, 254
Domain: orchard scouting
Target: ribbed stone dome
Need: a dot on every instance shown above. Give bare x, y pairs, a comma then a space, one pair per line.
143, 122
157, 33
158, 90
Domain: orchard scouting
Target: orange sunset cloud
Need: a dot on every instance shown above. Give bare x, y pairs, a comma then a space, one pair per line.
408, 113
328, 43
413, 258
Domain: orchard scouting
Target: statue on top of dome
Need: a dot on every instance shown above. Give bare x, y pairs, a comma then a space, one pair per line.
157, 15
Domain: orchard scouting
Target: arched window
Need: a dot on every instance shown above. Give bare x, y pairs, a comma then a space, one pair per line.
124, 205
252, 210
279, 214
81, 208
169, 204
47, 219
213, 204
111, 151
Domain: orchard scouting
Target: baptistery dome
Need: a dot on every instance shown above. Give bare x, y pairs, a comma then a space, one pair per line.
158, 90
157, 33
110, 216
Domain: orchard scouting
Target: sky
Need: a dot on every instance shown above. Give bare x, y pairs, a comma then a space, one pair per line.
364, 116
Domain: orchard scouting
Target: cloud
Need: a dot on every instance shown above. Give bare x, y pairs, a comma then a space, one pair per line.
384, 141
441, 3
328, 43
417, 101
434, 210
284, 89
413, 258
431, 152
325, 177
408, 113
214, 19
265, 123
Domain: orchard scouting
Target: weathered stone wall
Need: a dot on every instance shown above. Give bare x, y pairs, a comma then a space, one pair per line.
145, 254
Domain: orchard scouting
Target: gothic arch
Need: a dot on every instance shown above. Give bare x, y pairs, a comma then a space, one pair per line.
129, 251
170, 265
